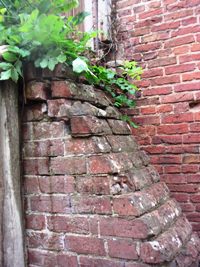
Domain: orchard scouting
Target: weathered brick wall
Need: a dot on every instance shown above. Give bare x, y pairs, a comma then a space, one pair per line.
164, 36
91, 197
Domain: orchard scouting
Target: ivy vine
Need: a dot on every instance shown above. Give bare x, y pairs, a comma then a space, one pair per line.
39, 31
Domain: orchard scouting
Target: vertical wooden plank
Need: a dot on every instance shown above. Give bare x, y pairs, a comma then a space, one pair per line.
11, 233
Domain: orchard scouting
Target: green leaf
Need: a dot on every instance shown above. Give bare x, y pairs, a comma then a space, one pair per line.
10, 57
18, 67
5, 66
79, 65
5, 75
14, 75
52, 63
61, 58
44, 63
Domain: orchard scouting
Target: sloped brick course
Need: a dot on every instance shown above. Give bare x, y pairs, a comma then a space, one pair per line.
91, 196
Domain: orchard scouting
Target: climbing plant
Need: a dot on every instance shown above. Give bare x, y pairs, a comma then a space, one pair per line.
39, 31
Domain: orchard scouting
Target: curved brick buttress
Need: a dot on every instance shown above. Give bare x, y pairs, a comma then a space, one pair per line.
92, 199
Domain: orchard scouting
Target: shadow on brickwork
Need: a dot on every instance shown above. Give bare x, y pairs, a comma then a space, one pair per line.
92, 199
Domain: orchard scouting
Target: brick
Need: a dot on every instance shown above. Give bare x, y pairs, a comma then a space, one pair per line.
148, 110
45, 241
166, 26
175, 6
164, 108
99, 262
178, 14
68, 165
195, 198
170, 159
186, 30
181, 50
180, 41
152, 73
187, 87
181, 107
59, 108
142, 31
185, 188
35, 112
189, 58
148, 22
69, 224
193, 178
81, 126
157, 91
174, 178
172, 169
98, 185
125, 12
191, 138
64, 260
167, 139
162, 62
113, 163
85, 245
50, 204
128, 228
119, 127
101, 164
36, 166
155, 149
180, 68
192, 3
147, 120
161, 218
37, 91
165, 80
126, 3
63, 89
122, 249
172, 129
31, 185
152, 37
181, 197
190, 168
191, 76
187, 207
188, 21
150, 55
179, 97
91, 204
41, 257
120, 143
35, 222
147, 47
44, 130
165, 247
150, 13
136, 264
139, 202
195, 47
175, 118
49, 184
44, 148
86, 146
194, 217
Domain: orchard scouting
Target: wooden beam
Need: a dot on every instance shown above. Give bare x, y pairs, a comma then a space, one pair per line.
11, 232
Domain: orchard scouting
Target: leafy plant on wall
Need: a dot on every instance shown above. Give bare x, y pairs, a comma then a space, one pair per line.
38, 31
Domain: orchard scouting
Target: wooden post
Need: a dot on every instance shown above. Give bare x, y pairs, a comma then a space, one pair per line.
11, 232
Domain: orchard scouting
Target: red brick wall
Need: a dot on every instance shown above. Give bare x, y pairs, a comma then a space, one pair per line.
91, 197
164, 36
